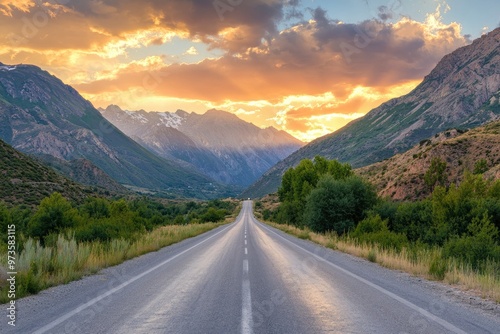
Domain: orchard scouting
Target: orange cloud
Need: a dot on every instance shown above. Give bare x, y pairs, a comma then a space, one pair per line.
308, 79
307, 59
86, 25
7, 7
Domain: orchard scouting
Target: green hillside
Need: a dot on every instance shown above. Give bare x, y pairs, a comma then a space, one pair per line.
23, 180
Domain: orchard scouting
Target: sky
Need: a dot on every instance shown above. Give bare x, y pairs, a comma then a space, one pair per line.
308, 67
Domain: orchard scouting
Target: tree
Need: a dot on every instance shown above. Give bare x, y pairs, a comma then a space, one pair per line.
338, 205
54, 215
213, 215
436, 175
477, 246
5, 221
480, 167
96, 208
453, 209
413, 219
297, 183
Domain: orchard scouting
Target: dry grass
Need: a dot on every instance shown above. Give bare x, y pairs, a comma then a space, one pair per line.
41, 267
421, 262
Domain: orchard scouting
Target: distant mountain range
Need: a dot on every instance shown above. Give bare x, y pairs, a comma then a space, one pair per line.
218, 144
40, 115
461, 92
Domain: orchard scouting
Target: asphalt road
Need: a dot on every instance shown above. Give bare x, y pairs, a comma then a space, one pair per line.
246, 278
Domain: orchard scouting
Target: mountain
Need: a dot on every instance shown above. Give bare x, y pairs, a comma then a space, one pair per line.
41, 115
84, 172
217, 143
461, 92
24, 180
402, 176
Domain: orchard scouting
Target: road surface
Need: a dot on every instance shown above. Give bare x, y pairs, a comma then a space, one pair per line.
245, 277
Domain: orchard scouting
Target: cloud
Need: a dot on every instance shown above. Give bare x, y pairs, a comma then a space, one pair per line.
384, 13
307, 59
100, 22
100, 8
309, 73
191, 51
7, 7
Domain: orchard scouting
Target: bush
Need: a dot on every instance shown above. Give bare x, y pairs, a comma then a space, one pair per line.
5, 221
213, 215
297, 183
454, 209
372, 256
289, 213
480, 167
371, 224
266, 214
373, 230
413, 219
436, 175
338, 205
438, 268
54, 215
387, 211
102, 230
477, 247
96, 208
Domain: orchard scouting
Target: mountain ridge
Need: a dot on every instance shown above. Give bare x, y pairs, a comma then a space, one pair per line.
401, 177
39, 114
456, 93
217, 143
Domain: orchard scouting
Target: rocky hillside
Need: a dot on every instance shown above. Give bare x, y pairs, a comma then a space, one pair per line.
24, 180
462, 91
39, 114
402, 176
217, 143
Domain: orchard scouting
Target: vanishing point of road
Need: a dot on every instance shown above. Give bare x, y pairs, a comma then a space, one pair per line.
246, 277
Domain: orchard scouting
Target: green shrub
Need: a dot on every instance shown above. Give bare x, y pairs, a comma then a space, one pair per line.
338, 205
436, 175
371, 224
297, 183
438, 268
413, 219
96, 208
476, 247
387, 211
100, 230
54, 215
480, 167
372, 255
213, 215
266, 214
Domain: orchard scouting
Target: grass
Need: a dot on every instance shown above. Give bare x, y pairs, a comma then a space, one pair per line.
418, 261
41, 267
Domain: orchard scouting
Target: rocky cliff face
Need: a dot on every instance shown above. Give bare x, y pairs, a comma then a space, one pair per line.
217, 143
461, 92
39, 114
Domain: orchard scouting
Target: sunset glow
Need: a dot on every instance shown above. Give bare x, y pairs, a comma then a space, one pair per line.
307, 67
